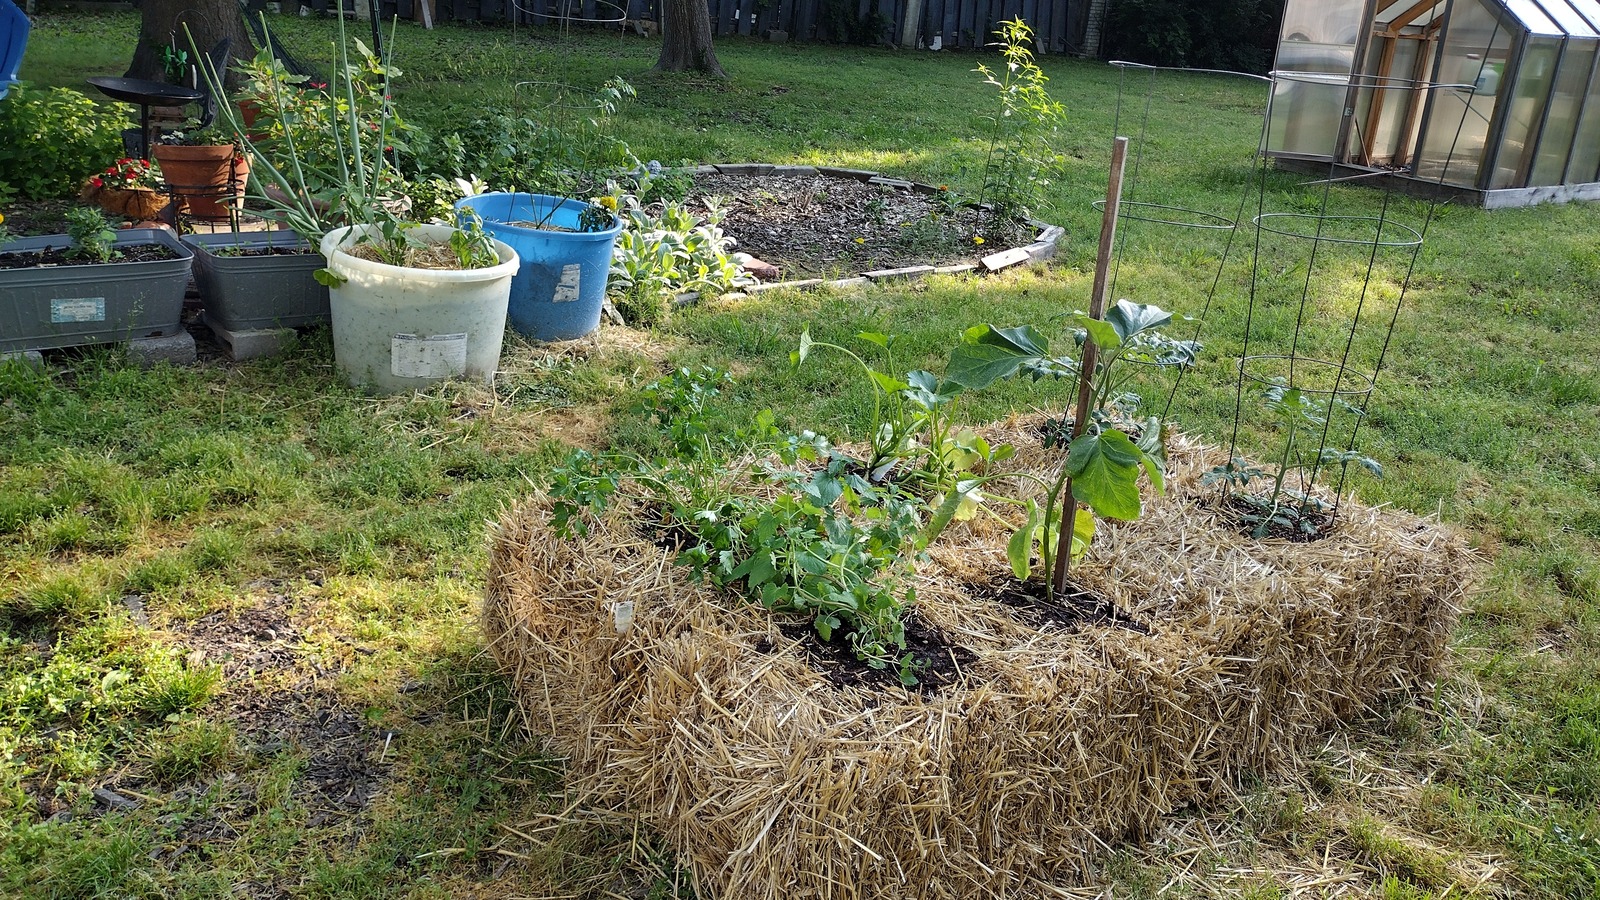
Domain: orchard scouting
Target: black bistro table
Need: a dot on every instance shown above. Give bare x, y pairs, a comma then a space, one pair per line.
145, 94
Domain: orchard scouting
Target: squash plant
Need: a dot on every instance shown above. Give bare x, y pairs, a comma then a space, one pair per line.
1103, 462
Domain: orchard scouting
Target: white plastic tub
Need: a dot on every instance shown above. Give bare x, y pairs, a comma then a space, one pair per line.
397, 329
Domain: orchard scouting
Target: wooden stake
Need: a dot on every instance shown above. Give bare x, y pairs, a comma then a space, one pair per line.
1091, 353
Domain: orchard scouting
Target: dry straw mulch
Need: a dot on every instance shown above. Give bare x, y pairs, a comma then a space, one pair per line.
710, 723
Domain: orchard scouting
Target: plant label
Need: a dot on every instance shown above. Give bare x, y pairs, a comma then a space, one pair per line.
77, 309
439, 356
567, 287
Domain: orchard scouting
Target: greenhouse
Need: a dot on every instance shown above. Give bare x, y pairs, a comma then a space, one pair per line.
1496, 100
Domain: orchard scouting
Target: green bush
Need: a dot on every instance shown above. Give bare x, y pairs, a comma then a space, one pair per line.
53, 139
1237, 35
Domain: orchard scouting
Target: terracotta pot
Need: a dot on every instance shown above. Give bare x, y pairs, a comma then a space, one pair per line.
199, 177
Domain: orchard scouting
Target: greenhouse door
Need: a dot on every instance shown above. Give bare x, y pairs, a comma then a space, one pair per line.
1392, 93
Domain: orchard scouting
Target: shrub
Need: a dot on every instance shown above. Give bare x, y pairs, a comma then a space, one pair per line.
53, 139
1237, 35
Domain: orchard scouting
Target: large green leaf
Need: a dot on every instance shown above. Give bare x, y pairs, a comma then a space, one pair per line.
1130, 318
1019, 550
1104, 336
1105, 473
987, 354
1082, 533
799, 356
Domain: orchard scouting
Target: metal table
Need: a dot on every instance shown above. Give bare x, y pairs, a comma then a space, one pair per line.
145, 94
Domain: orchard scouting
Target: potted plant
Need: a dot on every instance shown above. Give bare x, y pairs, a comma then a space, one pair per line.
130, 187
92, 285
411, 304
565, 246
204, 171
260, 280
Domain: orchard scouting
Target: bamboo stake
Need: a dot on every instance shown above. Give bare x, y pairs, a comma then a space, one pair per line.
1091, 353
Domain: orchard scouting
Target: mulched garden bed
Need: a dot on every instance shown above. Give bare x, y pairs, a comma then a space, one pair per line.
819, 225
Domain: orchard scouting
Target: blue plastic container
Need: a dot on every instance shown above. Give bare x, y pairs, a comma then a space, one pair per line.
558, 292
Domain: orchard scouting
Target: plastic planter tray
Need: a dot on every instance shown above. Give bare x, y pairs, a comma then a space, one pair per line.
68, 306
253, 293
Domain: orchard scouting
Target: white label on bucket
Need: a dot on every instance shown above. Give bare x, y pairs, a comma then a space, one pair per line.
78, 309
567, 287
440, 356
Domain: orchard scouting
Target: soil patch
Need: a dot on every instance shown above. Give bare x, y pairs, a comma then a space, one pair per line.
1033, 604
938, 662
1290, 523
51, 257
301, 250
816, 225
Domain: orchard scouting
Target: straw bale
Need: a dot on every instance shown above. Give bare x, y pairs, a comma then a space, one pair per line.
706, 719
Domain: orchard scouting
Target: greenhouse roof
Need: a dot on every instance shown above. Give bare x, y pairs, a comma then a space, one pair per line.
1563, 18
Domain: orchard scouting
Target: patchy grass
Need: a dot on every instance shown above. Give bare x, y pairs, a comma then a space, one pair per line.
242, 597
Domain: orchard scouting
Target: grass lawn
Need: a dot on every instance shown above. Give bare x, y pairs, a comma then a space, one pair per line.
242, 597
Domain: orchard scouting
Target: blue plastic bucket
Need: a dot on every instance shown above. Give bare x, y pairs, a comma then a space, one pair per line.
557, 293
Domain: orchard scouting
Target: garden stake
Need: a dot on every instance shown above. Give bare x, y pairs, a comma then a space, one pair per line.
1097, 310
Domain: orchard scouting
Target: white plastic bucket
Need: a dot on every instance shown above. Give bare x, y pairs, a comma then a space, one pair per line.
397, 329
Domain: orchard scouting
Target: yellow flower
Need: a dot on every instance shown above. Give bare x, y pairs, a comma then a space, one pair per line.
2, 220
977, 239
609, 203
861, 240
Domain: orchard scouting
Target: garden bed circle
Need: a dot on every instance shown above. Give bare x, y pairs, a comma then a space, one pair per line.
1042, 247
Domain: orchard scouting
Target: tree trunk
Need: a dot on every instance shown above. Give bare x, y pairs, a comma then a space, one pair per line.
161, 25
686, 39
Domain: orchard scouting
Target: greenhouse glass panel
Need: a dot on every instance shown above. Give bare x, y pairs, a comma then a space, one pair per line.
1476, 45
1535, 74
1585, 162
1561, 122
1532, 17
1590, 10
1567, 18
1315, 60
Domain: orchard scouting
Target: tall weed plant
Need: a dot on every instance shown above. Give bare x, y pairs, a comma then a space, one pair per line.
1020, 162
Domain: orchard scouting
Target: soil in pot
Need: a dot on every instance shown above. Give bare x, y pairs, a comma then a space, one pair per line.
52, 256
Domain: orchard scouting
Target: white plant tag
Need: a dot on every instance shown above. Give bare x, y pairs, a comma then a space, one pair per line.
77, 309
567, 287
439, 356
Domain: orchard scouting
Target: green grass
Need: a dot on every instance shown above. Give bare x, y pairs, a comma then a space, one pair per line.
209, 494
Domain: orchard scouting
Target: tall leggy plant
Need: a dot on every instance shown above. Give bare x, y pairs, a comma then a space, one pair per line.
1019, 162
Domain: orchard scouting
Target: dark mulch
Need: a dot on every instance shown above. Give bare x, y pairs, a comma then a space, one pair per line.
939, 662
812, 226
1033, 604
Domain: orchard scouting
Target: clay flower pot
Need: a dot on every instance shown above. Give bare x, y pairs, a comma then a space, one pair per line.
200, 177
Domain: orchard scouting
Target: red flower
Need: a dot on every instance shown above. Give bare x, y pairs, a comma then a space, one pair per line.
96, 181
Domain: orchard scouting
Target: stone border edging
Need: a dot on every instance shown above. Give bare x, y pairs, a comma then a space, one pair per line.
1042, 247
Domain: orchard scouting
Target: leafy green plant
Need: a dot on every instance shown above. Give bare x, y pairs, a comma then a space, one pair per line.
1290, 509
92, 234
328, 161
174, 63
828, 544
664, 250
1103, 462
82, 135
1020, 161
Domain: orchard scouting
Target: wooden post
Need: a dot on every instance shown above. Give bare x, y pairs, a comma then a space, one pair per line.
1091, 353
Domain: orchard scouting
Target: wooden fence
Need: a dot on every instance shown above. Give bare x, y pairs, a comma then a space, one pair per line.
1059, 25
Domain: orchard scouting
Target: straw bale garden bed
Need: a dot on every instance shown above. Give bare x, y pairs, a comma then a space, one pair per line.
1208, 655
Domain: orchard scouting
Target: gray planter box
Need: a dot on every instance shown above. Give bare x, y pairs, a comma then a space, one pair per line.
68, 306
257, 293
